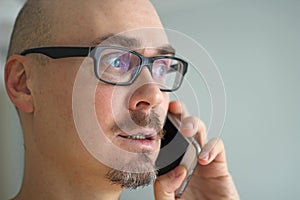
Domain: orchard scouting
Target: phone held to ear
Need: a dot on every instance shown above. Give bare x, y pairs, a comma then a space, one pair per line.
177, 150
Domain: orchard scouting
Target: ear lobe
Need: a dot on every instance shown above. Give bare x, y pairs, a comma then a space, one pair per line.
16, 83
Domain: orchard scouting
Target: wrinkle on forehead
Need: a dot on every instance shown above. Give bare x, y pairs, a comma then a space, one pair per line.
135, 38
117, 40
131, 43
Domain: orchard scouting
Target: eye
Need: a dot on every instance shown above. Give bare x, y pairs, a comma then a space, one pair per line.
119, 60
115, 62
160, 70
161, 67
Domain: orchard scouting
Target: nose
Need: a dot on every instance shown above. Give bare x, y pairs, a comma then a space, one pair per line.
147, 94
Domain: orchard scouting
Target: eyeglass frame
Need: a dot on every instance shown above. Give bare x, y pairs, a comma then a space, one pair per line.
57, 52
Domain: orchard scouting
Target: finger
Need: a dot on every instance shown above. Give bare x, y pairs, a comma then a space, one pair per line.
193, 126
212, 151
165, 185
178, 109
190, 125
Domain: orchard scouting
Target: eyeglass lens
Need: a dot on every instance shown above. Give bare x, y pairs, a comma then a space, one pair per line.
120, 66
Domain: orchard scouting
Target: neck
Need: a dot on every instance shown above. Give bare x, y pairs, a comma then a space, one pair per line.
44, 180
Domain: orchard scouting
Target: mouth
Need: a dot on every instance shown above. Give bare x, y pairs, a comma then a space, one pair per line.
139, 137
139, 140
140, 134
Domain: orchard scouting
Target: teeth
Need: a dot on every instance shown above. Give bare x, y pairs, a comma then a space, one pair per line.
137, 137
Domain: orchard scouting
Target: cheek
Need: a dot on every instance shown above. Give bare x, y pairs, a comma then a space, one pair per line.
53, 124
53, 97
165, 105
166, 101
103, 107
53, 85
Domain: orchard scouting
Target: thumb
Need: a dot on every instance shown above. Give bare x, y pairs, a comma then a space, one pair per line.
165, 185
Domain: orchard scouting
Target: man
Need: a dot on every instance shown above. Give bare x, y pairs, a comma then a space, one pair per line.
130, 103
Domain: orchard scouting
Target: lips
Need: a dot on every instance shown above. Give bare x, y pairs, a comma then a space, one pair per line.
139, 137
142, 140
140, 134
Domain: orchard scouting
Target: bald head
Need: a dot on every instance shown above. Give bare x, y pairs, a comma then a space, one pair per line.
81, 22
65, 22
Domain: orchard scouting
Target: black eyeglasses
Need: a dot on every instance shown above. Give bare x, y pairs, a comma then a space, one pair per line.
121, 66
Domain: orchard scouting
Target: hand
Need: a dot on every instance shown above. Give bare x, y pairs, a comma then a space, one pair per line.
211, 179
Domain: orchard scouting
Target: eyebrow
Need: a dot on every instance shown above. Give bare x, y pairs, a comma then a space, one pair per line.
129, 42
111, 39
166, 49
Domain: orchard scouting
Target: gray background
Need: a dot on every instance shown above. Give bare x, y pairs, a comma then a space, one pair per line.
256, 46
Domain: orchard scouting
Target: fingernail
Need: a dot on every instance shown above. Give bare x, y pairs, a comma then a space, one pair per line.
204, 156
188, 125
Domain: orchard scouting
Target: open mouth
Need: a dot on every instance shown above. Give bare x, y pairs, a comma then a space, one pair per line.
139, 140
139, 137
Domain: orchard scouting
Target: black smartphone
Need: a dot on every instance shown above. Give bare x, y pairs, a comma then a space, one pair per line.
177, 150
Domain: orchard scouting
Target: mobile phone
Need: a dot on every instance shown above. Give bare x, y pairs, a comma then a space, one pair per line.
177, 150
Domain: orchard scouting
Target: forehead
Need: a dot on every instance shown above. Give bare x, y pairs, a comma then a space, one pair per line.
143, 38
94, 19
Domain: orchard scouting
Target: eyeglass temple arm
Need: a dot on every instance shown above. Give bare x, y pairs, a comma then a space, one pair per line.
60, 52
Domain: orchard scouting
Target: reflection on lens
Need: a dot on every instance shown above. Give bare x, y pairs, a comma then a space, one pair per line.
117, 66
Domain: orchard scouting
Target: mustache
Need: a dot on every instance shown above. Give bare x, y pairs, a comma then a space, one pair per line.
140, 119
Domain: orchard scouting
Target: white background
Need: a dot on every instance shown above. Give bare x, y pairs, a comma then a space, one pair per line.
256, 45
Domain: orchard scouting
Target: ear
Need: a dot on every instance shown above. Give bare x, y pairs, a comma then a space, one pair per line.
16, 83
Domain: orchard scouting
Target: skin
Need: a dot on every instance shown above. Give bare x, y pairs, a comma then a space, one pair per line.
57, 165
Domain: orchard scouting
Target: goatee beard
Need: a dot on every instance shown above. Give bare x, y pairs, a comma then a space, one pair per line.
132, 180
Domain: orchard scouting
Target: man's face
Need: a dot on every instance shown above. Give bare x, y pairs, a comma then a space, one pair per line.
124, 114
